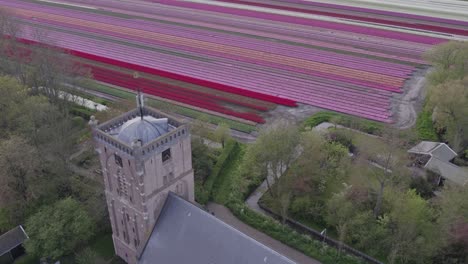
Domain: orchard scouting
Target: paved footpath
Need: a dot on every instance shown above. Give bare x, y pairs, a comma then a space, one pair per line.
224, 214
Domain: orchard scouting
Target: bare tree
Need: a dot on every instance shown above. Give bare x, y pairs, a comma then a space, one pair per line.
385, 162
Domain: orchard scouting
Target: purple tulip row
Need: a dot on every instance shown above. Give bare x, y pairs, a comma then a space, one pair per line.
362, 102
339, 67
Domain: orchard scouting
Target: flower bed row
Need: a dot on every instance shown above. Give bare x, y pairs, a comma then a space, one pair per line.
190, 48
387, 21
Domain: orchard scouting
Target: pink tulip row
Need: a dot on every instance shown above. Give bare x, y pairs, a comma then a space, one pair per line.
275, 58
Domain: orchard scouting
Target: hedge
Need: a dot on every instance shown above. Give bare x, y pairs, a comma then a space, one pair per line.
364, 125
81, 111
204, 193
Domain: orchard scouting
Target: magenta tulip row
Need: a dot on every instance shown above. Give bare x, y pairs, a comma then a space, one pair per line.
340, 67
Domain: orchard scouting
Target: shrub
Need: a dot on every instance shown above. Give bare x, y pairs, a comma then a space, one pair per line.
342, 137
78, 122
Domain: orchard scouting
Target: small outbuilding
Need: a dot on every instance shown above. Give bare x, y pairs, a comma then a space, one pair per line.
11, 245
436, 157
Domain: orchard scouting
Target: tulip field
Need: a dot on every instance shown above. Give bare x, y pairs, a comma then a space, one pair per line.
239, 62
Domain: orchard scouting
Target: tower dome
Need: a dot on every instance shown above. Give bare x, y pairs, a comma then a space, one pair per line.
143, 129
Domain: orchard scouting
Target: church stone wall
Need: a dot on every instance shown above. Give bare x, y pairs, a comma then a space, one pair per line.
137, 182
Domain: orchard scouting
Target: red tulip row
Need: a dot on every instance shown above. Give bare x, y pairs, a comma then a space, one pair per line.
202, 58
188, 96
191, 97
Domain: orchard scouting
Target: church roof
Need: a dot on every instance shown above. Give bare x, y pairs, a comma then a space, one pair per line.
185, 233
12, 239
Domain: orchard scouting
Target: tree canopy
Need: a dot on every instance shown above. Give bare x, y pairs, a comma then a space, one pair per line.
450, 103
58, 229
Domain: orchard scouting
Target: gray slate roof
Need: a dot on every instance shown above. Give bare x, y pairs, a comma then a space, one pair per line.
440, 155
448, 170
435, 149
12, 239
184, 233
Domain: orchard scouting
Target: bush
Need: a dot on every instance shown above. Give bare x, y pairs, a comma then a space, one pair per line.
78, 122
342, 137
425, 127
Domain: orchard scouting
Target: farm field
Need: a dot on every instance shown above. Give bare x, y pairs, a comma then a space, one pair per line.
238, 62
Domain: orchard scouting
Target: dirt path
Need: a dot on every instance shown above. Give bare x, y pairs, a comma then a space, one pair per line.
226, 216
407, 104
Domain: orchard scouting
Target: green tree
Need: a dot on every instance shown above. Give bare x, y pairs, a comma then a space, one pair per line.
202, 159
322, 166
11, 104
450, 103
450, 60
222, 133
201, 127
412, 235
58, 229
273, 153
453, 222
270, 157
340, 210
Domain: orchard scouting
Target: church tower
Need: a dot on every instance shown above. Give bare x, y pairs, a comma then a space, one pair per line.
144, 155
